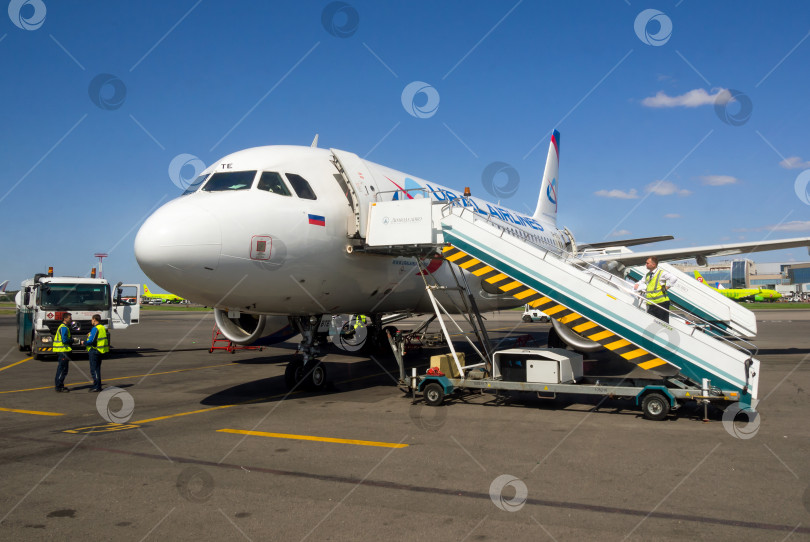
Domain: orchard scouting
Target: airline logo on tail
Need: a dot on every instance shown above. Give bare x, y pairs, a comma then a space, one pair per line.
551, 192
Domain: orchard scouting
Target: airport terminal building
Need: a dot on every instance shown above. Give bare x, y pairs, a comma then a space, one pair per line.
748, 274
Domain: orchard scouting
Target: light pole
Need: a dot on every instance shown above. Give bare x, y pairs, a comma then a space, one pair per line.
100, 256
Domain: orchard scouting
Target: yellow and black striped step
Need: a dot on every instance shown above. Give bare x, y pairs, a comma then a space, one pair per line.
561, 313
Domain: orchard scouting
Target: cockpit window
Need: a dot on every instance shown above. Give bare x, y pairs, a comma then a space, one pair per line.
272, 182
301, 186
193, 187
229, 180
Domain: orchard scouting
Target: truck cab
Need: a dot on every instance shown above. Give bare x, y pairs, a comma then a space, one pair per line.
43, 300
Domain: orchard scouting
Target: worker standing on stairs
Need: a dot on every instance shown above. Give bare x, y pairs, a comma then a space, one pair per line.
654, 285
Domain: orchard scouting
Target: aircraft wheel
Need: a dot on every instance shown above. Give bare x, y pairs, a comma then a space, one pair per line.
434, 394
292, 374
655, 406
316, 380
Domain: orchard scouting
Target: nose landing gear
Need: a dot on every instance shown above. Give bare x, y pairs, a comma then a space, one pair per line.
308, 372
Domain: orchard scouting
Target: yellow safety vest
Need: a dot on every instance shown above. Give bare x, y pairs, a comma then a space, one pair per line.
58, 345
655, 291
359, 321
102, 343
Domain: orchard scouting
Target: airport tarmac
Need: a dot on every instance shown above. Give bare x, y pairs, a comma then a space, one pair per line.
211, 445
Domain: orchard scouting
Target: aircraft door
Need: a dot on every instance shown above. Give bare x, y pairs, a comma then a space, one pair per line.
126, 306
362, 189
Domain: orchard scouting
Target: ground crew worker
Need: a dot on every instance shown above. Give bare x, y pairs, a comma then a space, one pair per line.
359, 321
97, 344
61, 345
654, 285
350, 327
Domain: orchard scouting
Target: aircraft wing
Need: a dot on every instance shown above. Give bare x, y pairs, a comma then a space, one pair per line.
627, 242
700, 253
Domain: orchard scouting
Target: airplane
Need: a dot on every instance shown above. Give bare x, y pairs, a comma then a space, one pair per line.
273, 238
3, 286
742, 294
161, 298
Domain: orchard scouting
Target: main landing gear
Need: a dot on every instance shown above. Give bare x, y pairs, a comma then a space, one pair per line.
308, 372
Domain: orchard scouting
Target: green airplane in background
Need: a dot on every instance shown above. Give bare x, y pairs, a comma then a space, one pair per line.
164, 298
743, 294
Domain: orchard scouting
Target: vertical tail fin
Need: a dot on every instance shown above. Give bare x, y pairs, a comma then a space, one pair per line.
700, 278
3, 286
146, 290
547, 202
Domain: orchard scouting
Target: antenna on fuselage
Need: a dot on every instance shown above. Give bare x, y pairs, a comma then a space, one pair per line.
314, 144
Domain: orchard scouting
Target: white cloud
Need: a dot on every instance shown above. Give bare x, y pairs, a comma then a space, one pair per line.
794, 162
672, 215
620, 233
693, 98
620, 194
665, 188
795, 225
719, 180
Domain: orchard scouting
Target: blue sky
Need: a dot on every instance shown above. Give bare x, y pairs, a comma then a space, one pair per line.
644, 150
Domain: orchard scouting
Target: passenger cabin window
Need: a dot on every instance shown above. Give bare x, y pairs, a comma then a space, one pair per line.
301, 186
229, 180
193, 187
272, 182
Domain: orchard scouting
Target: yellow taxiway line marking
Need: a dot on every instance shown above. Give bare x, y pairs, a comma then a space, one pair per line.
317, 439
139, 422
35, 412
124, 377
249, 401
13, 364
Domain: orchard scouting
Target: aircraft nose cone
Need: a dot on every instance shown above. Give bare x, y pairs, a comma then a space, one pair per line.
179, 243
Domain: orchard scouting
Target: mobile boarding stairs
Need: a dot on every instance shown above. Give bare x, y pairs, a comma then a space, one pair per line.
685, 359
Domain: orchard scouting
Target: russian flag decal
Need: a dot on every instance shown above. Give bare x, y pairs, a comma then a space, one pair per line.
317, 220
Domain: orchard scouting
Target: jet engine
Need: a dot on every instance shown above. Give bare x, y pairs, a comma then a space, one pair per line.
252, 329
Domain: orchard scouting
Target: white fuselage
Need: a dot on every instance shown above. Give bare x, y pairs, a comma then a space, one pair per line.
263, 252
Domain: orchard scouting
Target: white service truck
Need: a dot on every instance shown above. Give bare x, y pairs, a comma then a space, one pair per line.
43, 300
530, 314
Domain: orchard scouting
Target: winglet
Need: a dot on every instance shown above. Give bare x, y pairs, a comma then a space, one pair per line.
547, 202
314, 144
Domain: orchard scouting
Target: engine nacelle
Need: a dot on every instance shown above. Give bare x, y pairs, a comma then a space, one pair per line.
251, 329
